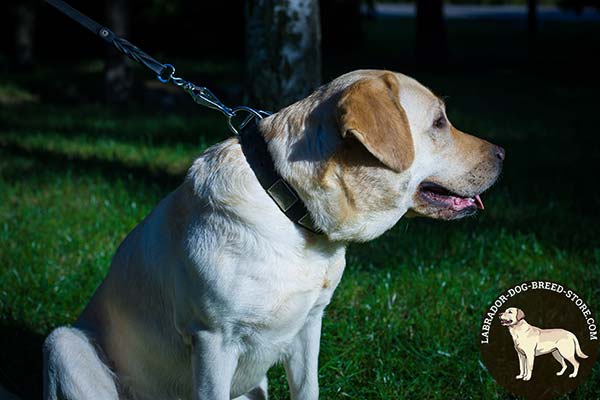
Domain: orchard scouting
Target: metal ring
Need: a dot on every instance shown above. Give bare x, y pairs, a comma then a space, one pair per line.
168, 78
252, 113
230, 124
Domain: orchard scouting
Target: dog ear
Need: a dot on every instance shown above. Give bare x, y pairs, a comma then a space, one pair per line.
370, 110
520, 314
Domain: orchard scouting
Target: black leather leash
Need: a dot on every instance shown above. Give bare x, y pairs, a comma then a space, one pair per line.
253, 143
162, 71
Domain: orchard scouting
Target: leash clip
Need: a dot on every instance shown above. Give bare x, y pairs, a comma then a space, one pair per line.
203, 96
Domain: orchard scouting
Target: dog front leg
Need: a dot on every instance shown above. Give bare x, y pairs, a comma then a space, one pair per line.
521, 365
213, 365
302, 363
529, 361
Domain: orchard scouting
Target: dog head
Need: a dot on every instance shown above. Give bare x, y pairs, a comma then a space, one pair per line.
511, 316
372, 146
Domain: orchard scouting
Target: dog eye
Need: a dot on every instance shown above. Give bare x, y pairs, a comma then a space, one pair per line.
440, 122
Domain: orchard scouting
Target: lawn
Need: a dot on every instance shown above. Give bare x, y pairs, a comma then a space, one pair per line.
76, 177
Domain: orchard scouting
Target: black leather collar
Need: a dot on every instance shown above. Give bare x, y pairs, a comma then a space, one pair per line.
283, 194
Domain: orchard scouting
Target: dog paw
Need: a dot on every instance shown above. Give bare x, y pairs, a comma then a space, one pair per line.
519, 377
527, 378
559, 373
573, 375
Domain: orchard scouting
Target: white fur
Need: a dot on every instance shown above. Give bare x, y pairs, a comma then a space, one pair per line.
216, 285
242, 283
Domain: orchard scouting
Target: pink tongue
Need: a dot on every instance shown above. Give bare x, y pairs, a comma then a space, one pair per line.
461, 202
478, 202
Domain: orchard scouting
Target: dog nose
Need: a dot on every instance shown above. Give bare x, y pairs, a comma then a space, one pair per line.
499, 152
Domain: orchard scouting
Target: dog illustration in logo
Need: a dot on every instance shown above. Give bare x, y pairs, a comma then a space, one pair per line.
531, 341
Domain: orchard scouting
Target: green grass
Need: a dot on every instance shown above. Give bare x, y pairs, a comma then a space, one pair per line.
404, 323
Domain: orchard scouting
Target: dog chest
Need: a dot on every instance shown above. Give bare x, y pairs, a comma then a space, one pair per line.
267, 287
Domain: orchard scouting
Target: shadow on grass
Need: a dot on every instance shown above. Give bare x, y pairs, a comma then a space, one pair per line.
21, 360
108, 168
133, 124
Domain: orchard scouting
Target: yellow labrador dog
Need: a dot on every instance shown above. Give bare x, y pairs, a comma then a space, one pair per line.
217, 284
531, 341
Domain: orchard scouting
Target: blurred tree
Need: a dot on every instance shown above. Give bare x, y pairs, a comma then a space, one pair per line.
118, 76
24, 32
532, 16
432, 46
283, 45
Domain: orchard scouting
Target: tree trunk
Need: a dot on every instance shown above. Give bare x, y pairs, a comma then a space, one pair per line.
432, 46
118, 76
24, 33
283, 45
532, 17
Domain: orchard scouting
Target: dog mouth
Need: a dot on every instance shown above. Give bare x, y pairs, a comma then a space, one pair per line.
505, 322
440, 196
